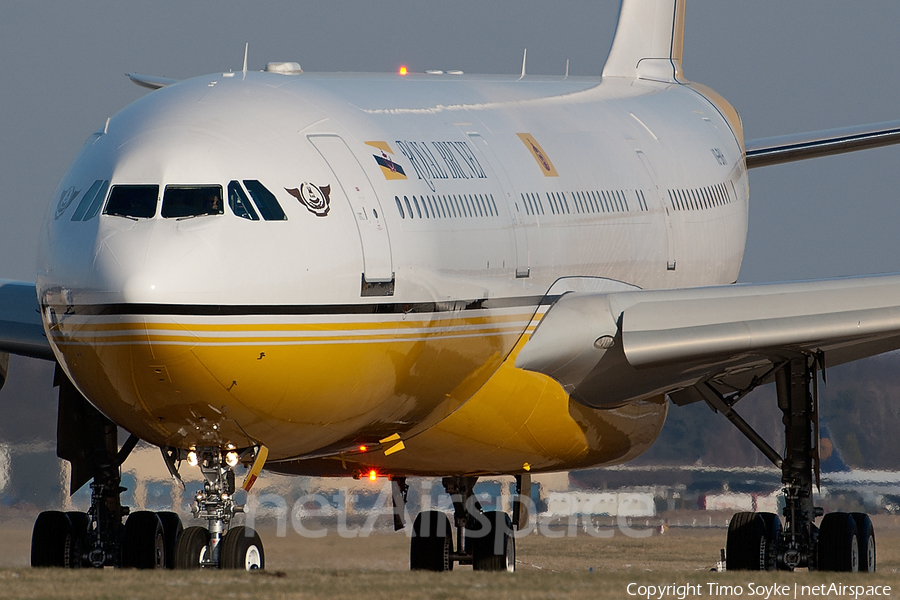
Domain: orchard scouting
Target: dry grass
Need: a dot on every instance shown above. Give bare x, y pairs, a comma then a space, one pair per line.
376, 567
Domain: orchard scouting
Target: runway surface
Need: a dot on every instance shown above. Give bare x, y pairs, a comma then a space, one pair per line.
376, 566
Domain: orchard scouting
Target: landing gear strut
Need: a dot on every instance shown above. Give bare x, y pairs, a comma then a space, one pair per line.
757, 541
146, 540
218, 544
798, 405
99, 538
484, 539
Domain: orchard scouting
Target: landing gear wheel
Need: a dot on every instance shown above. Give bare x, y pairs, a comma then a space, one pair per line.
838, 547
866, 539
431, 543
752, 542
143, 542
773, 537
49, 538
495, 551
242, 549
172, 529
191, 548
75, 542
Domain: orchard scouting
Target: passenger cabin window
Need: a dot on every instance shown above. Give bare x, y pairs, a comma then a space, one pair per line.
132, 201
183, 201
239, 203
265, 201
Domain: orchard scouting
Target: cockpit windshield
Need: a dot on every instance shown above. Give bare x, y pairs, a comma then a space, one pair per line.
181, 201
265, 201
133, 201
239, 203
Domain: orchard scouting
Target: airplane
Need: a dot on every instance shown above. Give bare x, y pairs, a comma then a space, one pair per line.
427, 274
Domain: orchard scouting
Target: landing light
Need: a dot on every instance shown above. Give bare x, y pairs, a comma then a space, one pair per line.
231, 458
192, 458
373, 475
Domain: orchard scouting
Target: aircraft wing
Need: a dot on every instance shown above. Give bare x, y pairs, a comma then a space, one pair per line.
789, 148
151, 82
609, 349
21, 330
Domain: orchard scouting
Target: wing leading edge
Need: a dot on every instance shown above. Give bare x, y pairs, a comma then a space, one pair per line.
609, 349
150, 82
21, 330
789, 148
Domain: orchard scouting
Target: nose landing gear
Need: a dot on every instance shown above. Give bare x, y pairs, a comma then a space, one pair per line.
149, 540
218, 544
145, 540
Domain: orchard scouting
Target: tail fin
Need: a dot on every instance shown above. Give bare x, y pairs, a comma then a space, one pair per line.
649, 41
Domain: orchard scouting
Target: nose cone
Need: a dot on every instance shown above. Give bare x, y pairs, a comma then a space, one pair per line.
158, 262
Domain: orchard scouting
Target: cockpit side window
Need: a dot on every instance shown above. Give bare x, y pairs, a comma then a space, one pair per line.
265, 201
91, 201
181, 201
134, 201
97, 204
239, 203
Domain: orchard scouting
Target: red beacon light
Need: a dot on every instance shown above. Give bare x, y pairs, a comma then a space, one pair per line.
403, 70
362, 448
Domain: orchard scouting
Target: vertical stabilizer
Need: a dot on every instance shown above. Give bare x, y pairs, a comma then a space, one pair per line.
648, 42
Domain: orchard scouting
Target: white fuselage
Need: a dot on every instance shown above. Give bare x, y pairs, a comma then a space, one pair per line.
446, 198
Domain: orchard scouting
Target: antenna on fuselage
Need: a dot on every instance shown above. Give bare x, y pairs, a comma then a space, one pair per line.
524, 56
246, 48
567, 69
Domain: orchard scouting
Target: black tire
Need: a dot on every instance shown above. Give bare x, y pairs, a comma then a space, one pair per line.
242, 549
191, 548
752, 542
172, 529
52, 530
431, 542
773, 530
866, 540
76, 543
495, 551
143, 541
838, 546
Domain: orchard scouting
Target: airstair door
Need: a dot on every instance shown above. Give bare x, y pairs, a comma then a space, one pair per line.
523, 268
352, 181
660, 198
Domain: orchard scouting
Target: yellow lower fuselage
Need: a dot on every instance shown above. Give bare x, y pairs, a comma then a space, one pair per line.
444, 383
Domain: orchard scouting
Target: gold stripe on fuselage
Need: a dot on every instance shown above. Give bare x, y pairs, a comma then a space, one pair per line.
201, 334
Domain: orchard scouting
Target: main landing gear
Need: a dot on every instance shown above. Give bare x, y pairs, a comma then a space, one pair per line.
98, 537
757, 541
150, 540
484, 539
111, 535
